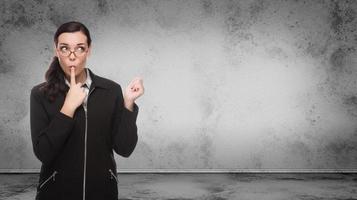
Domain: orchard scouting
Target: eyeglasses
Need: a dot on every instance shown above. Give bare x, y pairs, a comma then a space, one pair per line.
78, 51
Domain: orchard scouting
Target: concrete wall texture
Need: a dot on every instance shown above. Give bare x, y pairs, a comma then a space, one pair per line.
229, 84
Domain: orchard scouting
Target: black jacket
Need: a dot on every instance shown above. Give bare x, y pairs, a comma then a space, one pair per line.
77, 153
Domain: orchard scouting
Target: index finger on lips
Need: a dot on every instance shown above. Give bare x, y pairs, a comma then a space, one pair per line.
73, 76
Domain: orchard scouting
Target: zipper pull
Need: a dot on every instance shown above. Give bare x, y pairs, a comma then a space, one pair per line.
54, 175
113, 176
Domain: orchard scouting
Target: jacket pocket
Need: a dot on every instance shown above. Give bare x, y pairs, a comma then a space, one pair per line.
113, 176
45, 182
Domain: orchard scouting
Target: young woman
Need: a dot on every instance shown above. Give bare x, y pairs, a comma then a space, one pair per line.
77, 119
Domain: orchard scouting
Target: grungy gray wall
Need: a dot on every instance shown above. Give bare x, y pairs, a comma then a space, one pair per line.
229, 84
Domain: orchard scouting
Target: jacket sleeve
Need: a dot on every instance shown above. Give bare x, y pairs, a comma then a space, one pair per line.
48, 135
124, 135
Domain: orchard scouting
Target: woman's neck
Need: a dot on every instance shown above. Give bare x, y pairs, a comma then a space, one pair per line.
82, 77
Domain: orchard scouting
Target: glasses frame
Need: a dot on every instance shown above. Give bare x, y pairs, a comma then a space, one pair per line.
74, 51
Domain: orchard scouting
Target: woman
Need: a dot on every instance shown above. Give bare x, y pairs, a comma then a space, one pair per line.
77, 119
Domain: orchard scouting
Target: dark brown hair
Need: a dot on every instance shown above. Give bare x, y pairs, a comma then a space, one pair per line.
54, 76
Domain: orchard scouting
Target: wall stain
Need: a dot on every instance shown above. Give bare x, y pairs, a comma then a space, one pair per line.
239, 18
341, 17
20, 15
205, 147
103, 7
207, 6
351, 103
5, 68
56, 17
338, 59
343, 20
1, 130
300, 149
168, 14
276, 52
316, 49
234, 20
175, 152
145, 149
208, 107
257, 161
337, 18
257, 8
340, 148
311, 115
19, 110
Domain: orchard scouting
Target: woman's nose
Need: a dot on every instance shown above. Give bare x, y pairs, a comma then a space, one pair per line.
72, 57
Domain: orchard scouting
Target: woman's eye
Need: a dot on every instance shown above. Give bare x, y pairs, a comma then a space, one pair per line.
80, 49
63, 48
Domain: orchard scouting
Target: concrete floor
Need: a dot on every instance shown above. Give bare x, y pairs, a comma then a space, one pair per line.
209, 186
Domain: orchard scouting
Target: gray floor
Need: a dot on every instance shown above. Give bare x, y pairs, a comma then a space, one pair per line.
209, 186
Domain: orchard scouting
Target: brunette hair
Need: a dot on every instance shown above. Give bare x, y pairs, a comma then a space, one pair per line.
55, 83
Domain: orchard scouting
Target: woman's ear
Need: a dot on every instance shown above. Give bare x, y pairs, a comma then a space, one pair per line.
55, 50
89, 50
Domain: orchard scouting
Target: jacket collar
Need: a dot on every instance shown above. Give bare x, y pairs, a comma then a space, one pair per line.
97, 81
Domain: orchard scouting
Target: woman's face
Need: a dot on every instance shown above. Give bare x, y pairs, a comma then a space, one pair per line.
72, 50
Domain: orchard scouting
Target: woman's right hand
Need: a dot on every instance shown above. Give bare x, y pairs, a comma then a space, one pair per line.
74, 97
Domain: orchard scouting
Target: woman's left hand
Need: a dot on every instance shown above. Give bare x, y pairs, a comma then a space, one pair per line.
133, 91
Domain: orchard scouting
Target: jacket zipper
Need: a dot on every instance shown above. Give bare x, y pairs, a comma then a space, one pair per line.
113, 175
49, 178
85, 145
